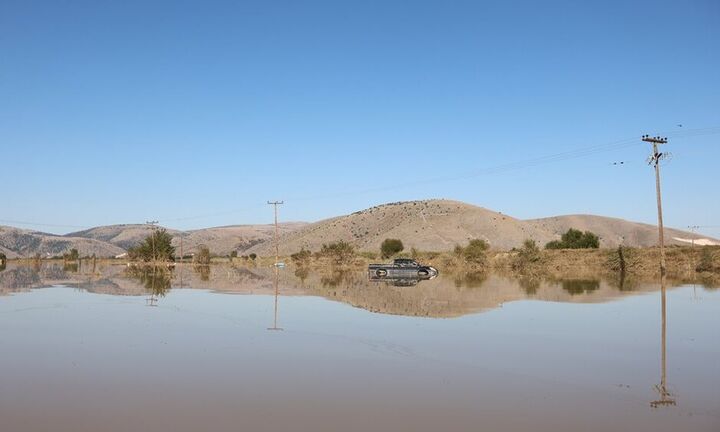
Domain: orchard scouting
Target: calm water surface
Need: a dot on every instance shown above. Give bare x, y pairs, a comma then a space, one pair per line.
217, 350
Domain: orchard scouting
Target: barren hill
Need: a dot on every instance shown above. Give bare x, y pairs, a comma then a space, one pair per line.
15, 242
438, 225
220, 240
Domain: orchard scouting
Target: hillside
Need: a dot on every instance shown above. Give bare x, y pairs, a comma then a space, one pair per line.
430, 225
220, 240
16, 242
438, 225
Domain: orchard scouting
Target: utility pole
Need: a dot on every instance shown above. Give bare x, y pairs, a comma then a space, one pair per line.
692, 229
277, 247
152, 238
654, 160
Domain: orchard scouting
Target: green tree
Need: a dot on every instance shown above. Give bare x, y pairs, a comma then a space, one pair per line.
156, 247
390, 247
575, 239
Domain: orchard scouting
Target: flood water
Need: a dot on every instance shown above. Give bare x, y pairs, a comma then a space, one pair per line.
238, 349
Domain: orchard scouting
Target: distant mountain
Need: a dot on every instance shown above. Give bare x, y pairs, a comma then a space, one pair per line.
430, 225
438, 225
15, 243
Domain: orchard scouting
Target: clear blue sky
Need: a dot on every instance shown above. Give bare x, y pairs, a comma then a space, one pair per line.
197, 112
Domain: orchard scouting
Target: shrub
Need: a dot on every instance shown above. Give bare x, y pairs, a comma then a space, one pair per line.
706, 261
390, 247
252, 256
302, 257
233, 254
527, 256
340, 252
474, 252
575, 239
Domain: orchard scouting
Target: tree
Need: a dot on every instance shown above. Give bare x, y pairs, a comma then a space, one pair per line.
202, 256
233, 254
575, 239
252, 256
72, 255
390, 247
156, 247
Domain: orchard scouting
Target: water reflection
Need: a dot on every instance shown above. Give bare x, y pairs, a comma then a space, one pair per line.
448, 295
156, 280
666, 398
580, 286
276, 286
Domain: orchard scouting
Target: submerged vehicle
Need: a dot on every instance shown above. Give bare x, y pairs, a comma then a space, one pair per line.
401, 268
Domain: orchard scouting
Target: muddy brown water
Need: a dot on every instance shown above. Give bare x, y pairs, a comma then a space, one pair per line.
228, 349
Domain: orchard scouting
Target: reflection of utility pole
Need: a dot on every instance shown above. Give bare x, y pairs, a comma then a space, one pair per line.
277, 247
152, 238
654, 160
666, 398
275, 284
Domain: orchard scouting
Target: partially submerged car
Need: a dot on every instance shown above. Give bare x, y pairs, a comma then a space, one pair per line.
401, 268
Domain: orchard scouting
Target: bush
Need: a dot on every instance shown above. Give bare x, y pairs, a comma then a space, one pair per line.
527, 256
575, 239
340, 252
706, 263
390, 247
301, 258
474, 252
202, 256
252, 256
156, 247
233, 254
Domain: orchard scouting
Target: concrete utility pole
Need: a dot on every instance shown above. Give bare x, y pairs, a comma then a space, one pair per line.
277, 247
152, 238
654, 160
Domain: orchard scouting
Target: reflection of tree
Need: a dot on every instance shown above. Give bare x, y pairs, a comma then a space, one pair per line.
70, 267
580, 286
470, 279
156, 280
529, 284
336, 279
203, 271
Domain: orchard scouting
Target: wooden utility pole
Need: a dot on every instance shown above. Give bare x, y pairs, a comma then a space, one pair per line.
654, 160
152, 238
277, 247
692, 229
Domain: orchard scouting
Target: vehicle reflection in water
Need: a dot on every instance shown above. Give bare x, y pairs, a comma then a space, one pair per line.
405, 280
666, 398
